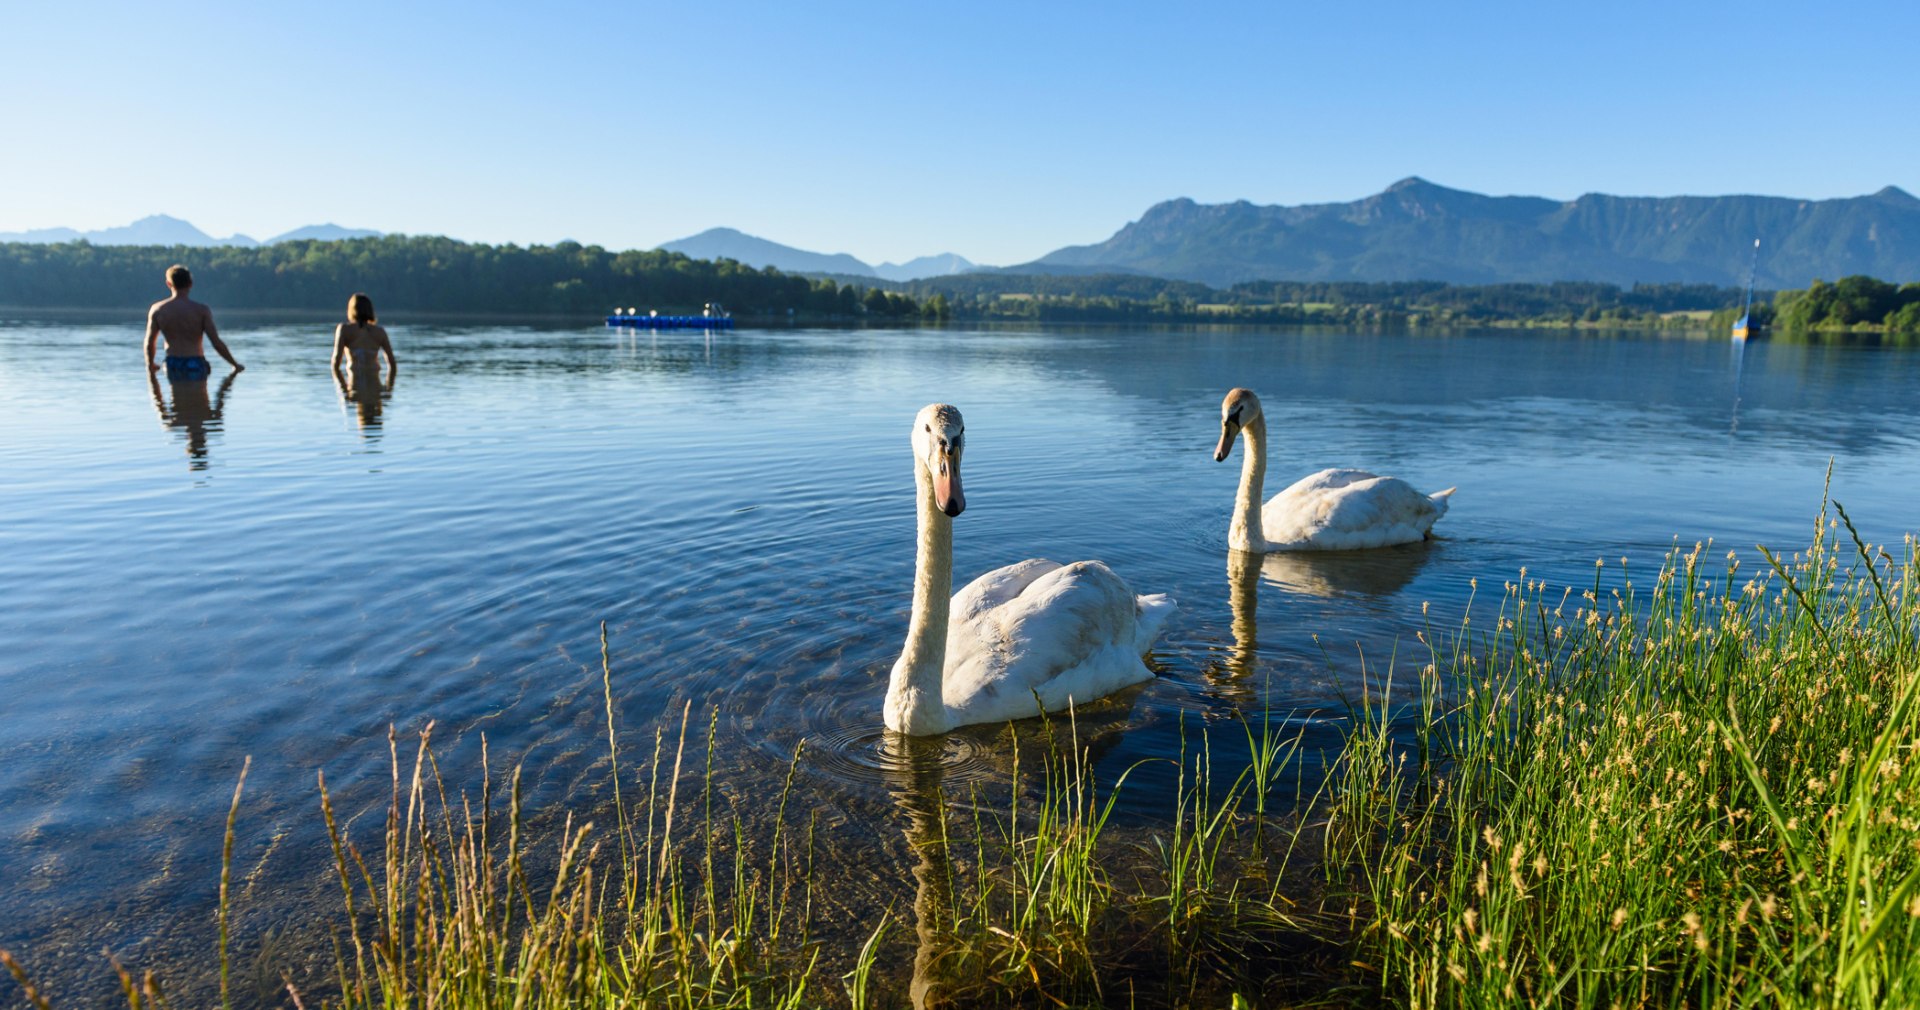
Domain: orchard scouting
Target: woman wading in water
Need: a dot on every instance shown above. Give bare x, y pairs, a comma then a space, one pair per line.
359, 342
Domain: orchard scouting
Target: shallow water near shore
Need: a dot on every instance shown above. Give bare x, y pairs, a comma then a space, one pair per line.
269, 567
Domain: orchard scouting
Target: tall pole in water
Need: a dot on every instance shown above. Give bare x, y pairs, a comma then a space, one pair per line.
1744, 326
1753, 267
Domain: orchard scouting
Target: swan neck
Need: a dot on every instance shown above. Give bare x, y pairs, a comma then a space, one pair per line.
1245, 534
914, 702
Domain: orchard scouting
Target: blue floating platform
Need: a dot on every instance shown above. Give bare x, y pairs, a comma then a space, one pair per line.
673, 322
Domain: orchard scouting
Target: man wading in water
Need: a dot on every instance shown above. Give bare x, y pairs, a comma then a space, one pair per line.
183, 322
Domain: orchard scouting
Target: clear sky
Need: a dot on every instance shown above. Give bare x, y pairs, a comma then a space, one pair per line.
999, 131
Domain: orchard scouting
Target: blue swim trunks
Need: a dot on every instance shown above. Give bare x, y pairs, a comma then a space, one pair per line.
184, 369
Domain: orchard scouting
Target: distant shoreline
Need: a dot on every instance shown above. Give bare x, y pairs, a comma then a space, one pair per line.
132, 316
1678, 324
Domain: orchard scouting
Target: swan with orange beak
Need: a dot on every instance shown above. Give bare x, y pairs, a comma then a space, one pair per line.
1333, 510
1031, 637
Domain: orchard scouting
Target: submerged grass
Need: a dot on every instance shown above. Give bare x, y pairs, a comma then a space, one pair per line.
1703, 793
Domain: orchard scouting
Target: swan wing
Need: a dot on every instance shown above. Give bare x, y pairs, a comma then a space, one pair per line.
1349, 510
1070, 634
996, 588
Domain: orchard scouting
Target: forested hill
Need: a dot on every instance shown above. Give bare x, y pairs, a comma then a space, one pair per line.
1419, 231
412, 274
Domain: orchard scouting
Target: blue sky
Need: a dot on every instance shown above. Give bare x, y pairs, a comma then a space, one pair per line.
998, 131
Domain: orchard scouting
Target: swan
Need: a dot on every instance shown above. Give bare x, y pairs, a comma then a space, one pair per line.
1333, 510
1018, 640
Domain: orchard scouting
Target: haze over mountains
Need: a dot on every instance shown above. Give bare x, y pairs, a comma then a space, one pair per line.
162, 230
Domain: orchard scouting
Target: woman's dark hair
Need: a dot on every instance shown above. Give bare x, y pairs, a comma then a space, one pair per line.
360, 309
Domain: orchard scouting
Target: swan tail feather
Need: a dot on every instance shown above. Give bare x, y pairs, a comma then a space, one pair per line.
1439, 500
1152, 611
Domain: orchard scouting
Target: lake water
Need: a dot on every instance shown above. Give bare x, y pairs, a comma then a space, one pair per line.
272, 570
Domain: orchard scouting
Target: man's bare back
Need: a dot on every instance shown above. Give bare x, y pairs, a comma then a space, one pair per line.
184, 323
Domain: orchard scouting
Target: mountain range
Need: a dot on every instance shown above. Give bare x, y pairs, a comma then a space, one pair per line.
1414, 230
162, 230
1417, 230
729, 243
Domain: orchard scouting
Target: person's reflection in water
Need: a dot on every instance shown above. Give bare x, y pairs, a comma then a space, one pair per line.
915, 784
192, 412
367, 393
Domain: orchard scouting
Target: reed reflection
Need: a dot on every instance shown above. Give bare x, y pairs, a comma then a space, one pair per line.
192, 412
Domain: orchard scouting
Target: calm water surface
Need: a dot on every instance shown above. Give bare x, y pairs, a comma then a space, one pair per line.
268, 569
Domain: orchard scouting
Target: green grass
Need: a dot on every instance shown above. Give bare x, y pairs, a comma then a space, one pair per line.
1698, 790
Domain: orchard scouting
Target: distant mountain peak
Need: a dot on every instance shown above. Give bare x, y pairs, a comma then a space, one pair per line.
734, 244
328, 232
167, 230
1896, 194
938, 265
1411, 182
760, 253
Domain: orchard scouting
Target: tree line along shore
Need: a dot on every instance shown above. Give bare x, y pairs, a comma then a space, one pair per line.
426, 274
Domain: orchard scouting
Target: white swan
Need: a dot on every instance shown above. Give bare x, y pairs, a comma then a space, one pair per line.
1017, 639
1333, 510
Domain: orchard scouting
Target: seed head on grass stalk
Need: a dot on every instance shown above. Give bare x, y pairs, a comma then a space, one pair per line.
226, 876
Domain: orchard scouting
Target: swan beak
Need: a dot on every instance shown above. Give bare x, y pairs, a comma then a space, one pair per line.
946, 485
1228, 429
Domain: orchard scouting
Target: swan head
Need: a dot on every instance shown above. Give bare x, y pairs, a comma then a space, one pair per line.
1236, 412
938, 441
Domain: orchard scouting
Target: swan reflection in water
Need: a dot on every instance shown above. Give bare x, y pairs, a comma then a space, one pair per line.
915, 768
914, 782
1336, 575
192, 412
1333, 575
364, 389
